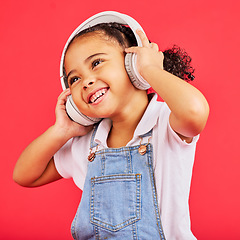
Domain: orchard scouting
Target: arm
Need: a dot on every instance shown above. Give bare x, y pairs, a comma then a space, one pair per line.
189, 108
35, 166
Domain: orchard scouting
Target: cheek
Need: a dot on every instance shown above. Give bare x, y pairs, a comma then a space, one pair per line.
118, 73
77, 95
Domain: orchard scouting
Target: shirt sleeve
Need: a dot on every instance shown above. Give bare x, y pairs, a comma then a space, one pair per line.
64, 167
173, 135
71, 160
179, 140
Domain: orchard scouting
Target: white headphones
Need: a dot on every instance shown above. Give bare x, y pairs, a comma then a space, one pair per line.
130, 60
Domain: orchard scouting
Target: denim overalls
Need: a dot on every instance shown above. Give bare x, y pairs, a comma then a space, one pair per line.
119, 199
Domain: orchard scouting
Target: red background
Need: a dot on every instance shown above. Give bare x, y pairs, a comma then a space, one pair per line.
32, 37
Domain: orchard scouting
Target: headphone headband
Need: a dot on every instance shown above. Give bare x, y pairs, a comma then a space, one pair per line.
102, 17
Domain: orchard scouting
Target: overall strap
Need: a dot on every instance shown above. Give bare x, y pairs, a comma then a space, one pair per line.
148, 134
92, 143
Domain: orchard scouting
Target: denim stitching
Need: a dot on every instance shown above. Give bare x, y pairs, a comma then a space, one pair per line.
115, 177
129, 162
134, 216
103, 225
138, 197
128, 177
103, 164
91, 199
134, 231
154, 193
96, 230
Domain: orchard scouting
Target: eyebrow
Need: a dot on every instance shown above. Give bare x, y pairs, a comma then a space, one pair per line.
94, 55
86, 60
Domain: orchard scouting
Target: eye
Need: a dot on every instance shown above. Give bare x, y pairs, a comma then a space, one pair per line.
96, 62
72, 80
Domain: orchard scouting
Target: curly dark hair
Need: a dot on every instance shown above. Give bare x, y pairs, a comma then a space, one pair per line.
176, 60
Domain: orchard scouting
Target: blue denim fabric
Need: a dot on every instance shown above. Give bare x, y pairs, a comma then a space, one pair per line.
119, 199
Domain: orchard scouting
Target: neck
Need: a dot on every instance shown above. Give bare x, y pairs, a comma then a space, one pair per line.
124, 125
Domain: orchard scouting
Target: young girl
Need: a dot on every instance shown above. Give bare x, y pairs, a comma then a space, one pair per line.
135, 165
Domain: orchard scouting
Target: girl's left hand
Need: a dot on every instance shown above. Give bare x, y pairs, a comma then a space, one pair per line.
147, 55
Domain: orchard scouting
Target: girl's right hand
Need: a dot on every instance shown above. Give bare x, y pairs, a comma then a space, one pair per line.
35, 166
63, 123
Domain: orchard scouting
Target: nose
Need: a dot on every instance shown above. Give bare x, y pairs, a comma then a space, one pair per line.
87, 82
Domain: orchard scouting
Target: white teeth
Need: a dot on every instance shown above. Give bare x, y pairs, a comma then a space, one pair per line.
98, 94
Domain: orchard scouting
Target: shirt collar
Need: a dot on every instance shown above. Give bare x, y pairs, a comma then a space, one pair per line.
148, 121
150, 117
102, 132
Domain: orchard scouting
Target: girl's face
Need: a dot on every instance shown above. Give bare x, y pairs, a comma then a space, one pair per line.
96, 74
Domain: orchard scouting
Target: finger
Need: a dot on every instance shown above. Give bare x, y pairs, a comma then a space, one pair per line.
64, 93
161, 54
154, 46
131, 49
61, 101
143, 37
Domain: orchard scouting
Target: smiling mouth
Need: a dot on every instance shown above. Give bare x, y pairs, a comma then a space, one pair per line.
98, 95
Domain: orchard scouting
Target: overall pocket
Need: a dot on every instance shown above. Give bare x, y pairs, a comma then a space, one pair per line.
115, 201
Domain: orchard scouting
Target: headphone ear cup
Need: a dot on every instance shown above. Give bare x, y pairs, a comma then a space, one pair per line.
137, 80
76, 115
